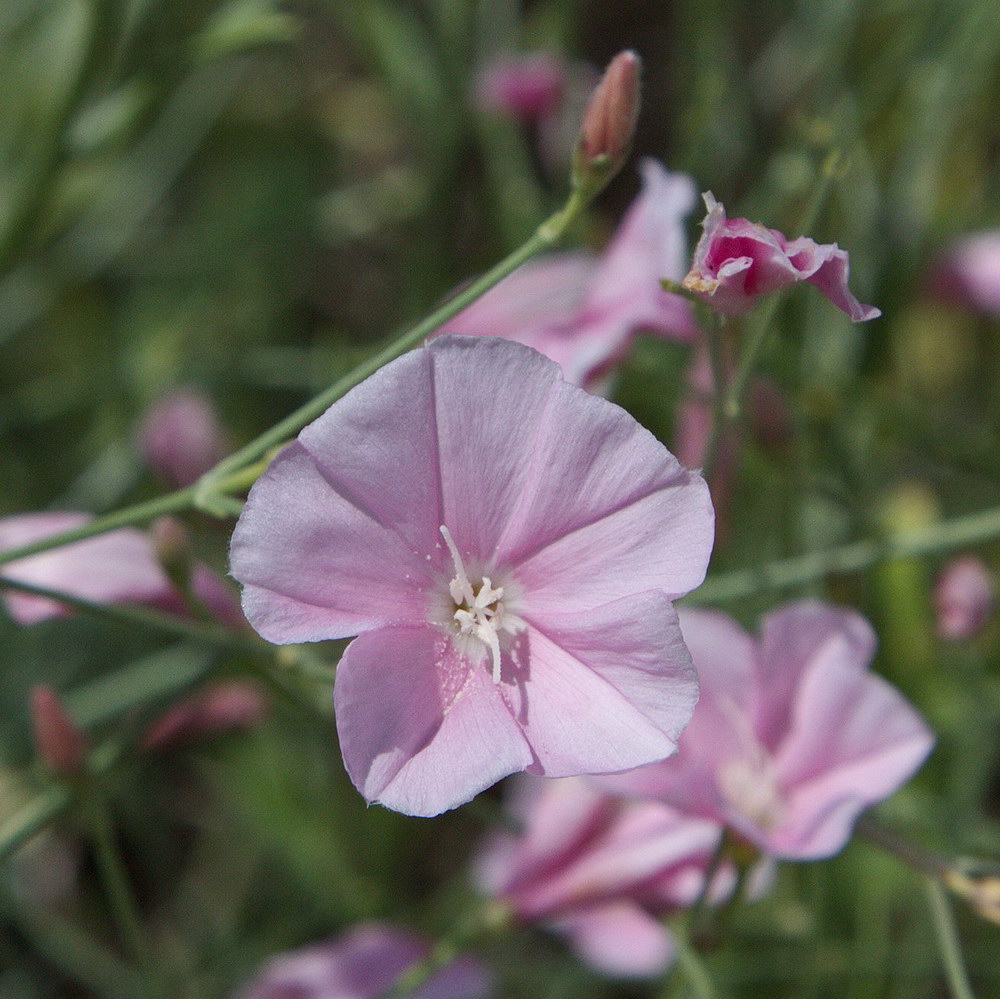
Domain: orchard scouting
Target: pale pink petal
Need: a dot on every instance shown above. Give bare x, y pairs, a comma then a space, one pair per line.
660, 541
791, 640
828, 267
620, 939
421, 729
649, 244
314, 564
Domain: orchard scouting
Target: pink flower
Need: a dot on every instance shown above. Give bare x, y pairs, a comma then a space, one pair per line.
793, 736
583, 311
969, 273
119, 567
736, 261
364, 963
507, 546
218, 707
964, 597
599, 870
181, 437
529, 85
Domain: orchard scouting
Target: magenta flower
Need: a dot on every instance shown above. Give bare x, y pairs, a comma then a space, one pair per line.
600, 870
583, 311
363, 964
119, 567
737, 261
529, 85
793, 735
964, 598
507, 546
181, 438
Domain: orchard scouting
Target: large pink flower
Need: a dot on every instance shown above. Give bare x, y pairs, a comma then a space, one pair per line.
599, 870
581, 310
793, 735
507, 546
119, 567
363, 964
737, 261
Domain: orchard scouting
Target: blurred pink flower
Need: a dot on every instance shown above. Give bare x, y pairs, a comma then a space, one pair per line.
600, 870
737, 261
968, 273
363, 963
507, 545
529, 85
964, 598
793, 736
218, 707
181, 438
119, 567
583, 311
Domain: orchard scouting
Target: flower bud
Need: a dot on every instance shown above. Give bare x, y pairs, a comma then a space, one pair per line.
964, 598
609, 122
60, 744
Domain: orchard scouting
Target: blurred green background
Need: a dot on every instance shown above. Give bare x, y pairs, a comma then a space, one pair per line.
246, 197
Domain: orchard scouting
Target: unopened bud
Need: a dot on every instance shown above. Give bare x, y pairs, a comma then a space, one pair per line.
609, 122
60, 744
173, 550
978, 882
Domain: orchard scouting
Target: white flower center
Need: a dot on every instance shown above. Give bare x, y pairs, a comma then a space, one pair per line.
479, 610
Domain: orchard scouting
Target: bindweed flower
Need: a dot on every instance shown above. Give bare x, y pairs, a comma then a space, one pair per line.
364, 963
969, 273
793, 735
119, 567
181, 438
583, 311
964, 597
506, 546
737, 261
599, 870
528, 86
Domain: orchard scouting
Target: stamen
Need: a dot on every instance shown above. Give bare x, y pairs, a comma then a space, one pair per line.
465, 587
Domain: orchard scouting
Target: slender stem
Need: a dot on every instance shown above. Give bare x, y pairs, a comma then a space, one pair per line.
694, 968
694, 914
716, 341
114, 877
947, 940
913, 856
854, 557
30, 820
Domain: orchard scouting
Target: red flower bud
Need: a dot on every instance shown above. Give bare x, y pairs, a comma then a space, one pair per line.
609, 122
60, 744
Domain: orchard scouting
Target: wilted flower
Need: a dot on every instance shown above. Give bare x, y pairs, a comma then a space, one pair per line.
793, 735
507, 546
114, 568
181, 437
969, 273
583, 311
600, 870
737, 261
363, 964
964, 598
529, 85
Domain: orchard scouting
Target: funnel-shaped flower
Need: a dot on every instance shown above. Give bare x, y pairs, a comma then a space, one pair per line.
363, 964
507, 546
793, 736
583, 311
599, 870
737, 261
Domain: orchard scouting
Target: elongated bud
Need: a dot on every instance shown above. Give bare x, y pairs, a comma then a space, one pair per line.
60, 744
609, 122
978, 882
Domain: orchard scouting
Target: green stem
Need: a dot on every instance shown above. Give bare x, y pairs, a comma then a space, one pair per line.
694, 914
114, 877
716, 340
690, 962
947, 940
971, 529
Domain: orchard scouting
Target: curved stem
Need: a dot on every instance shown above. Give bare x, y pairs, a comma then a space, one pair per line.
947, 940
971, 529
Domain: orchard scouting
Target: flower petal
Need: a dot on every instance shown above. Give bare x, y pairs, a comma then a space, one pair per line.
421, 729
316, 565
620, 939
620, 673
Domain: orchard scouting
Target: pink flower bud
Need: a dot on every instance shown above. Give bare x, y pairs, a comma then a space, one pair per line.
609, 122
60, 744
181, 437
218, 708
964, 598
969, 273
